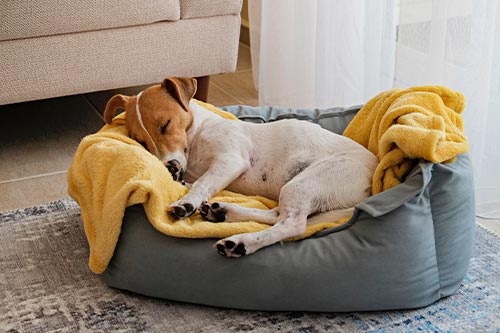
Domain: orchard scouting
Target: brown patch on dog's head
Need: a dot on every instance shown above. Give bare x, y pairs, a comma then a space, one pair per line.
158, 117
181, 88
114, 104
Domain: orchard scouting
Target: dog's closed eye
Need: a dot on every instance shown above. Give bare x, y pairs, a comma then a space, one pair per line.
163, 129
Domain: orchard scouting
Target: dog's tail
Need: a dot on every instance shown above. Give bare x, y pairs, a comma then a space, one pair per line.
330, 216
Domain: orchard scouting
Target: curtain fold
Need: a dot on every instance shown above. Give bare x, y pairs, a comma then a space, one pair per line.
323, 53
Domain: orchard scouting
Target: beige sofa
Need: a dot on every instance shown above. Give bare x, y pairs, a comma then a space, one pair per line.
54, 48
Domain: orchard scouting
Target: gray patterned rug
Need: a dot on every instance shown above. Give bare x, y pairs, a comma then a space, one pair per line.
45, 286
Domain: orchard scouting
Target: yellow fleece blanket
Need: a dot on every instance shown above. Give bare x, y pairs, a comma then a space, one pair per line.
110, 172
402, 126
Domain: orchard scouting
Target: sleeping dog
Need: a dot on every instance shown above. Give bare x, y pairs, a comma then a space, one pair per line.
316, 175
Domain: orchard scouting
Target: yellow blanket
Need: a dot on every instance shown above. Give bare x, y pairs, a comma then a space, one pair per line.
402, 126
110, 172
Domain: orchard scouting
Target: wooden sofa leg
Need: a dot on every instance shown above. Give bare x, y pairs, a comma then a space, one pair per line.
202, 91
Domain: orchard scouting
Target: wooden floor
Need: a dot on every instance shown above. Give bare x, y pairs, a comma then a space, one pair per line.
38, 139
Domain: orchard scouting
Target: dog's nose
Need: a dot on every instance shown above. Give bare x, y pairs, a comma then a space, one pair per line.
175, 169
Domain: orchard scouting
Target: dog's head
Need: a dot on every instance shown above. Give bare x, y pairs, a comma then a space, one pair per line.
159, 118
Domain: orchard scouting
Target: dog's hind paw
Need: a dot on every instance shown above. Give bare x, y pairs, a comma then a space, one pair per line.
213, 212
228, 248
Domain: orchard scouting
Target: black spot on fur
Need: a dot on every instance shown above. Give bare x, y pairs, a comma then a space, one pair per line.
264, 177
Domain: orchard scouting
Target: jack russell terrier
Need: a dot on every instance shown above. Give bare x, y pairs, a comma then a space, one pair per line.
316, 175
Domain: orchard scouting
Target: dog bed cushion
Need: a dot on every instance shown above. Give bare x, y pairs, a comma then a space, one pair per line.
405, 247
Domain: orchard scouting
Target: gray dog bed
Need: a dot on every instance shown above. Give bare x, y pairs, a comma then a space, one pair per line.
406, 247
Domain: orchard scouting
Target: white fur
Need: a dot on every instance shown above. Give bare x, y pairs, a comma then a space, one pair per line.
308, 169
139, 117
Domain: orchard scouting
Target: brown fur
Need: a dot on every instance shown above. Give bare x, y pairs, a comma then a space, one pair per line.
158, 104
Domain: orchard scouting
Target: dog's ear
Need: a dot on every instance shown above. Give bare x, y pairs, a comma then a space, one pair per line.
116, 102
181, 88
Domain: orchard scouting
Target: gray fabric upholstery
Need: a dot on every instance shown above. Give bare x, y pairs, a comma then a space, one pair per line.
404, 248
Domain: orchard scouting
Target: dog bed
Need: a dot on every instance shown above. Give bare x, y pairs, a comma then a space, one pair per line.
405, 247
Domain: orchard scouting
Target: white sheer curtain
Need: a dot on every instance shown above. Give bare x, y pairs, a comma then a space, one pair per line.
322, 53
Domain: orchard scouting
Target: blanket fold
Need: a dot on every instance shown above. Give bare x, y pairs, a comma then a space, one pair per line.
402, 126
110, 171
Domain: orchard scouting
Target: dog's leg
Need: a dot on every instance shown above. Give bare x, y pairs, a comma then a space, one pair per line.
227, 212
290, 223
311, 191
222, 172
292, 220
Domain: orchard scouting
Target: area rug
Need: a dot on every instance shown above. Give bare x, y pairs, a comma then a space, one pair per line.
46, 286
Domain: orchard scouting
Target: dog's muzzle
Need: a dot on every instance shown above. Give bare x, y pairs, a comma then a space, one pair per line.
176, 170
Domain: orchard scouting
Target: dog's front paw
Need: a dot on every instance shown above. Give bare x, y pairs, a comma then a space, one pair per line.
176, 170
181, 210
229, 248
213, 212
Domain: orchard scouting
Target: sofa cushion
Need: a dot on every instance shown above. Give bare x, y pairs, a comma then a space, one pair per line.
68, 64
203, 8
27, 18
